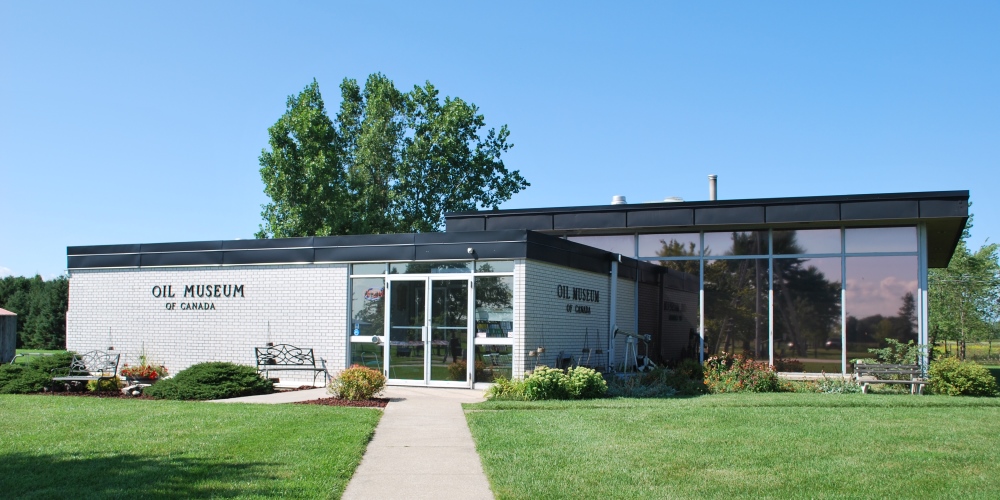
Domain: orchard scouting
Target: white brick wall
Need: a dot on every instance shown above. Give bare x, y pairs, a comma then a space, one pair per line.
305, 305
543, 318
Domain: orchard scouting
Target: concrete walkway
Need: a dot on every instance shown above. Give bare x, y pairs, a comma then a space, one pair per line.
422, 449
422, 446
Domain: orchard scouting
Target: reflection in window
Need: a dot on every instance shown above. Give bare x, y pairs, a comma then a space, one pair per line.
736, 243
493, 362
807, 333
736, 307
621, 243
669, 245
495, 266
802, 241
880, 302
680, 312
430, 267
367, 320
495, 306
368, 268
881, 239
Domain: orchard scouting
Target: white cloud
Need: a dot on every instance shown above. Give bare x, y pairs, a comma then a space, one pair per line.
5, 271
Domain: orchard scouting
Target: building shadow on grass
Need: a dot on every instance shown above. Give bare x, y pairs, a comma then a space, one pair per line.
120, 476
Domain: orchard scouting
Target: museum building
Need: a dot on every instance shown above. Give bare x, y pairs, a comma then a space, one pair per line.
805, 283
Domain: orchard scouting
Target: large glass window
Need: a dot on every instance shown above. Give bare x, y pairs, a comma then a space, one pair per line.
619, 243
494, 306
881, 239
367, 320
880, 302
799, 241
670, 245
807, 334
430, 267
736, 243
736, 307
680, 314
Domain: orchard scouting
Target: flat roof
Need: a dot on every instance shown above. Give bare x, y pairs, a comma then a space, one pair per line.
944, 213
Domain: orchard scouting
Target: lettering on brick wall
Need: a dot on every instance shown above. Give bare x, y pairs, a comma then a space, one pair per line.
579, 295
191, 292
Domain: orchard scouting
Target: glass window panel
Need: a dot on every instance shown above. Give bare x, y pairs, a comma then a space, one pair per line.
736, 307
736, 243
807, 333
801, 241
881, 239
495, 266
368, 268
679, 313
367, 320
669, 245
495, 306
493, 362
620, 243
430, 267
880, 302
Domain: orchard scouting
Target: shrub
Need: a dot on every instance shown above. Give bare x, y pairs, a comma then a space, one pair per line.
585, 383
826, 385
504, 389
357, 383
106, 385
33, 376
736, 373
954, 377
213, 380
547, 383
687, 379
789, 365
895, 353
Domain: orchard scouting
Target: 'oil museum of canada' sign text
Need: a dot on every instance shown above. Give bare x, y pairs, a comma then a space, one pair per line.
194, 292
579, 295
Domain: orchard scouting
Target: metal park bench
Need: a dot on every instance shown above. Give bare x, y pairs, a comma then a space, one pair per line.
879, 373
286, 357
94, 365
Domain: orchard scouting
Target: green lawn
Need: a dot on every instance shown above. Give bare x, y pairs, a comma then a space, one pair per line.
79, 447
28, 354
742, 445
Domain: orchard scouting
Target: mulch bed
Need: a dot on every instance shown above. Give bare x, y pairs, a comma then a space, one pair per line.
367, 403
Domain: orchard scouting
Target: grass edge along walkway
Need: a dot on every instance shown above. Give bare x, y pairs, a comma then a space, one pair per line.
743, 445
82, 447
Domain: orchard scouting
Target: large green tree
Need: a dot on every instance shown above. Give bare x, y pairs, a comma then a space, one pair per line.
965, 297
390, 162
40, 307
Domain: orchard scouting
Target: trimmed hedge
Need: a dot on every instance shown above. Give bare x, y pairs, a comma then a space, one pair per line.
33, 376
213, 380
954, 377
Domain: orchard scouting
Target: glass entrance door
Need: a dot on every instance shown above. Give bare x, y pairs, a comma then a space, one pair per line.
428, 339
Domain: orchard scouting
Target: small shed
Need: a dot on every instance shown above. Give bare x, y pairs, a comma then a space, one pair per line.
8, 335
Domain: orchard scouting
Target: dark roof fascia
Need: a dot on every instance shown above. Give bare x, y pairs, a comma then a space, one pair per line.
486, 245
920, 195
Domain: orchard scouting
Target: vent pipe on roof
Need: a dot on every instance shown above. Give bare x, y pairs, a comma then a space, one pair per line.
618, 200
713, 187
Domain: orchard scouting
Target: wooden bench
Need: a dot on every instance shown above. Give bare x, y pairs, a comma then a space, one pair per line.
94, 365
286, 357
880, 373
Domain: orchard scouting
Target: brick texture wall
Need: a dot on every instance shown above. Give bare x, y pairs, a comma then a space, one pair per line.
545, 320
304, 305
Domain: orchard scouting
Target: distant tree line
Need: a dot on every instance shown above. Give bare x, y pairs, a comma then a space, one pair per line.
41, 310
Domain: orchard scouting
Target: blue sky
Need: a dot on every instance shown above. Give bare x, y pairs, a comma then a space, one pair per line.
133, 122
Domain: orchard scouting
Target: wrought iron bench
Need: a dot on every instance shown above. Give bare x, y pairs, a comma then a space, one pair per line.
93, 365
880, 373
286, 357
